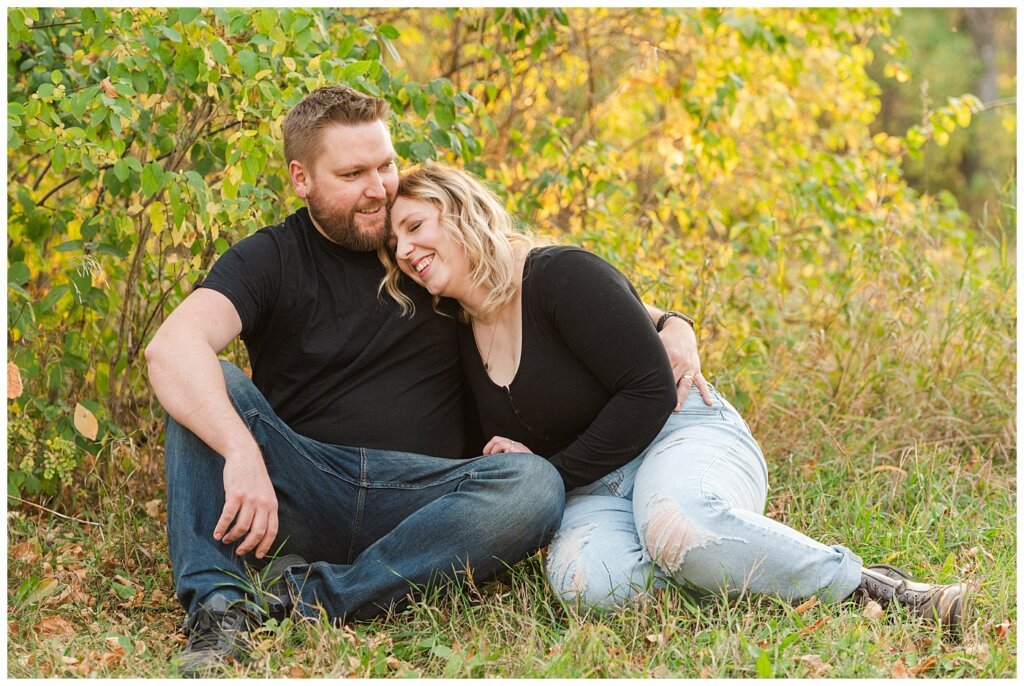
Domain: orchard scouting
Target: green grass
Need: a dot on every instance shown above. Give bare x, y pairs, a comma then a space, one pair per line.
97, 600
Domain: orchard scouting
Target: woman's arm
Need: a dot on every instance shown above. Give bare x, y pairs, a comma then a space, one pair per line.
600, 318
680, 343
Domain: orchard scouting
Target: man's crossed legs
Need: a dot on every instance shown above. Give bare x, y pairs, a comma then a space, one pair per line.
377, 524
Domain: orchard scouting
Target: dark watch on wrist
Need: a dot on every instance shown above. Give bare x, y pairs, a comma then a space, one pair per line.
665, 317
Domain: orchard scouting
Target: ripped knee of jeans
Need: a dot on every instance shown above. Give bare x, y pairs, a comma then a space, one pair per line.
669, 534
566, 570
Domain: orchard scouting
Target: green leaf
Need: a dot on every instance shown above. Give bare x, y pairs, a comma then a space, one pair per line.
169, 33
152, 178
388, 31
51, 298
444, 113
249, 61
121, 170
18, 274
422, 150
126, 592
187, 14
69, 246
356, 69
219, 51
764, 665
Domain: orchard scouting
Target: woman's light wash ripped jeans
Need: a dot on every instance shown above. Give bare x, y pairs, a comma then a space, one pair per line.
689, 509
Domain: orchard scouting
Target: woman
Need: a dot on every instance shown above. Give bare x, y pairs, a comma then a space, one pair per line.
564, 362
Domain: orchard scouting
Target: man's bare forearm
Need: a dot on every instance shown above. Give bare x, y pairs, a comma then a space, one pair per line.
186, 376
187, 379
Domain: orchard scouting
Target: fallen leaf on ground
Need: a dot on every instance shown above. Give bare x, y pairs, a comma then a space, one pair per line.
814, 664
899, 670
1002, 629
46, 588
295, 672
153, 508
813, 627
392, 662
806, 605
924, 665
25, 551
873, 610
14, 387
54, 626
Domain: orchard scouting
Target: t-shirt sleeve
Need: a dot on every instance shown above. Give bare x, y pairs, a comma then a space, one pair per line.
600, 317
248, 274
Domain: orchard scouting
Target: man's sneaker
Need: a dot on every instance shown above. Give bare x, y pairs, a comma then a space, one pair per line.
216, 636
941, 603
274, 586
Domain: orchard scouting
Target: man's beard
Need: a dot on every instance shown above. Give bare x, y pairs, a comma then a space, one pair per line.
341, 227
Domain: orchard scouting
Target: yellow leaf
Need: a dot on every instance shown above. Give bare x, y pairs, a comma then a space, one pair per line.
262, 74
85, 422
156, 217
14, 387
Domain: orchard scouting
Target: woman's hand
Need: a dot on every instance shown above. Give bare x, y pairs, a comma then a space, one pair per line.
681, 345
500, 444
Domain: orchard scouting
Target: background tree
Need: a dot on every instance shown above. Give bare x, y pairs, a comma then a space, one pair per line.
723, 158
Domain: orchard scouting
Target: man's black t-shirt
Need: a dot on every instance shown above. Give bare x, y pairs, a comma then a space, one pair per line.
336, 362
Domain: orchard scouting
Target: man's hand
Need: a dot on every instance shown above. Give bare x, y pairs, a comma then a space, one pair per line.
249, 502
681, 345
500, 444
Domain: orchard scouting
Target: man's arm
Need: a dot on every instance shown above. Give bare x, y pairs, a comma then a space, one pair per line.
681, 345
187, 379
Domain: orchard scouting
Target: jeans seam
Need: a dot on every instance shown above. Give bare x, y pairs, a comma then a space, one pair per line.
408, 487
357, 520
256, 416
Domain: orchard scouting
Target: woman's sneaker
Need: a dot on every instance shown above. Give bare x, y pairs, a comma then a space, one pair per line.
941, 603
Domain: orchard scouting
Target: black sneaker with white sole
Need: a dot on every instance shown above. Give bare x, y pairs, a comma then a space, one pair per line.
217, 634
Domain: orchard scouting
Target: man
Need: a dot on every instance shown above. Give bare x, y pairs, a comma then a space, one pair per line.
263, 463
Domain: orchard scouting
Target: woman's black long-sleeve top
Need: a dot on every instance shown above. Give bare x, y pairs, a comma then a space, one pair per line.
594, 385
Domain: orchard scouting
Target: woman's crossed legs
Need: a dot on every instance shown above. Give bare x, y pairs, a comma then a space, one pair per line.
690, 509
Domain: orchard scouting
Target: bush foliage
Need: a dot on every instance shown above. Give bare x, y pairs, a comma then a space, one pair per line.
722, 158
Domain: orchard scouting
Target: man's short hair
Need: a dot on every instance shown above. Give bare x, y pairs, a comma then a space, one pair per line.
323, 107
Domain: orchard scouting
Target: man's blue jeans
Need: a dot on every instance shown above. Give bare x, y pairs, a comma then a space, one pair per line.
378, 524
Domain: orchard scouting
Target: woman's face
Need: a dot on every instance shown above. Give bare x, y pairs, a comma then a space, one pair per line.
424, 251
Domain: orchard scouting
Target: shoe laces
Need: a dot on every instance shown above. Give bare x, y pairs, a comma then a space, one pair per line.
208, 629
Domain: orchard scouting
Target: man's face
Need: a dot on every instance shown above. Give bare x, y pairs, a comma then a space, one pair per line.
347, 188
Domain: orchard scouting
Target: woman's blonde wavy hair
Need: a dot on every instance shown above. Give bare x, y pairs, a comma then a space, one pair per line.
474, 217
